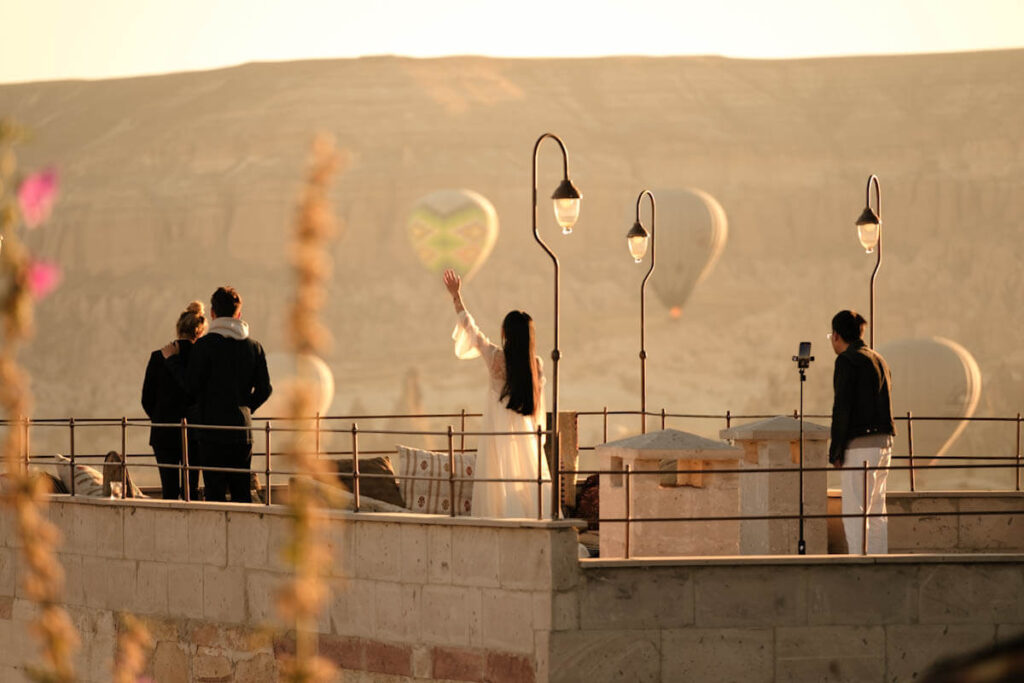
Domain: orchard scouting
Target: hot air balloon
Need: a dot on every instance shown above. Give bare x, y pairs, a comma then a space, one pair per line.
453, 229
933, 377
692, 231
285, 370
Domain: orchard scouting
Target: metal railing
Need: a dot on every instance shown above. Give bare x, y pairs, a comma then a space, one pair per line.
913, 466
908, 420
330, 428
321, 430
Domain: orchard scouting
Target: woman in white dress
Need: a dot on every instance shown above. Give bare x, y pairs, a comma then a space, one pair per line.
515, 403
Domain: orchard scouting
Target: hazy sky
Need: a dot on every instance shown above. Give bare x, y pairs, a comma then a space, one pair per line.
56, 39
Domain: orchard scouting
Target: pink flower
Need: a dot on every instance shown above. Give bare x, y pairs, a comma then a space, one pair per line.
36, 196
43, 278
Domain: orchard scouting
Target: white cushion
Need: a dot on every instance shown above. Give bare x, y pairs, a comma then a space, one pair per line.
433, 497
88, 480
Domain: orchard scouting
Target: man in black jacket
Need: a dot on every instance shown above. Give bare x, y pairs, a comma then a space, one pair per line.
227, 377
862, 431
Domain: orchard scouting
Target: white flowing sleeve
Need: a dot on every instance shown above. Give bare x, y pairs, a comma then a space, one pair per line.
470, 342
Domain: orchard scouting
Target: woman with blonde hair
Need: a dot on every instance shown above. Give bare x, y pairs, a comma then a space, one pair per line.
515, 403
165, 402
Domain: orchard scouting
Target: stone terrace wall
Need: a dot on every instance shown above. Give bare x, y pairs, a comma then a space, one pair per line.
430, 598
412, 596
927, 532
782, 619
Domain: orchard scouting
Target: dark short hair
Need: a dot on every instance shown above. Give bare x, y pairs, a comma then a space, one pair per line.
225, 302
849, 325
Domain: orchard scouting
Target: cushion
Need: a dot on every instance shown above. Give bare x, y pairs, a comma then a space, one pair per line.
88, 480
383, 488
433, 497
54, 485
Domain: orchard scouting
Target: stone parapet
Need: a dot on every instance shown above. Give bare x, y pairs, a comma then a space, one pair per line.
942, 521
412, 596
427, 598
786, 618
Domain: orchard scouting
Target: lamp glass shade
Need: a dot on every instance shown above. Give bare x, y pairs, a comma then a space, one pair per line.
567, 211
637, 240
567, 205
869, 228
868, 236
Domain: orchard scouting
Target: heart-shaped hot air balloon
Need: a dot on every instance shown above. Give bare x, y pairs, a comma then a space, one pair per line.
453, 229
692, 230
933, 377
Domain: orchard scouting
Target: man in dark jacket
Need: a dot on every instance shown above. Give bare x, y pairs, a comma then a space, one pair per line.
862, 431
227, 377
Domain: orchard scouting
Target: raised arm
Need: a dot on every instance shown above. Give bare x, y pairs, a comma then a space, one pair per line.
470, 342
453, 283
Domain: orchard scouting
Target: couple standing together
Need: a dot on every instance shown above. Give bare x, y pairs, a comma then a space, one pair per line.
213, 374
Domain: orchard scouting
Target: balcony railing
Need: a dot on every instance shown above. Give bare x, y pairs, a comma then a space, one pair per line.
328, 430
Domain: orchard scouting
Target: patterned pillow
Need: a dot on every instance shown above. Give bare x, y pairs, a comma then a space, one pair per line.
88, 480
433, 497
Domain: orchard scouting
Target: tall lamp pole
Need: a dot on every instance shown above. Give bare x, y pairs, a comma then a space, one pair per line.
869, 232
566, 199
636, 240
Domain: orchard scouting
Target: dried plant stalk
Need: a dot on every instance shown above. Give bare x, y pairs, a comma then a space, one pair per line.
133, 646
302, 600
27, 495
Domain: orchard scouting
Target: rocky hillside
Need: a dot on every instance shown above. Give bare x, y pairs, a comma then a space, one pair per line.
175, 184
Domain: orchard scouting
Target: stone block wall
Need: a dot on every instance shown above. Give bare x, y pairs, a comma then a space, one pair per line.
412, 596
431, 598
930, 529
783, 619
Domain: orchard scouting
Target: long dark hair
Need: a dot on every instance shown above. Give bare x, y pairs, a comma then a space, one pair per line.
522, 386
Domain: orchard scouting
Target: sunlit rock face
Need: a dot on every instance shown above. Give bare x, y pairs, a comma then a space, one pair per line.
173, 185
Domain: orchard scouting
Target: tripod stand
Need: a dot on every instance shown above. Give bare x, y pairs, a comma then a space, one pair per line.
803, 361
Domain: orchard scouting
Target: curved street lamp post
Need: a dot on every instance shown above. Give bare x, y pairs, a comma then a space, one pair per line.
869, 232
637, 240
566, 199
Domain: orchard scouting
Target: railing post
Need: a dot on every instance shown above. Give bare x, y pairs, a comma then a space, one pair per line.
462, 431
268, 471
626, 475
1018, 451
355, 466
910, 449
451, 470
605, 439
71, 439
728, 419
125, 493
27, 442
556, 467
318, 435
864, 524
540, 472
662, 418
186, 478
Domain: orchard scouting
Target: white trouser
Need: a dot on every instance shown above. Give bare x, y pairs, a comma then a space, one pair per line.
853, 499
